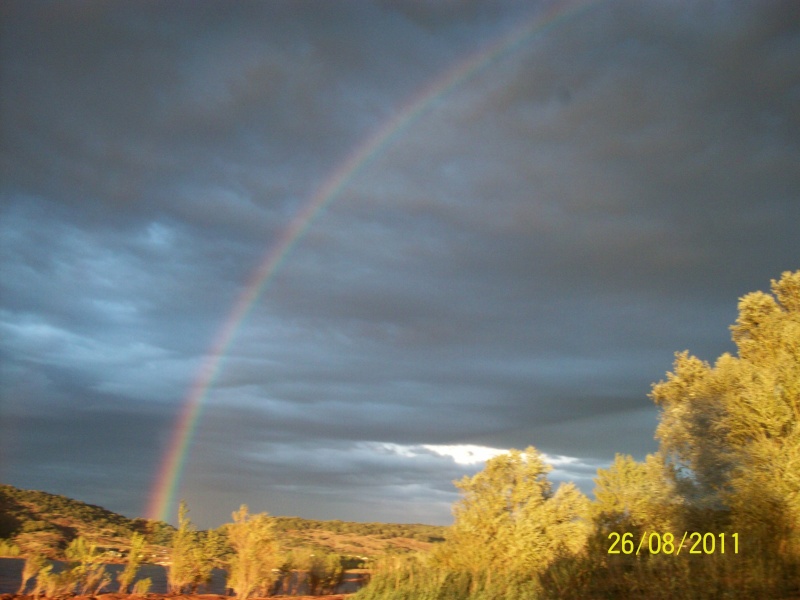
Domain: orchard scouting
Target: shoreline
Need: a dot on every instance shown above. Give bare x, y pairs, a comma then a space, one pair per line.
117, 596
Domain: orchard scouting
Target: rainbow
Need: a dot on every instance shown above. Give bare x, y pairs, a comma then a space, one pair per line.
167, 482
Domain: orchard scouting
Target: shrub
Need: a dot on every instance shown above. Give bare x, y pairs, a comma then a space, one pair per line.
142, 587
9, 549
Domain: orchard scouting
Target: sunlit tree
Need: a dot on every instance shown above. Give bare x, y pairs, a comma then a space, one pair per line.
325, 572
510, 523
135, 555
732, 429
727, 468
256, 559
86, 569
633, 496
34, 563
189, 565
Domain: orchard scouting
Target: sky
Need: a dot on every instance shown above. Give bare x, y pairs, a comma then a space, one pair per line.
538, 204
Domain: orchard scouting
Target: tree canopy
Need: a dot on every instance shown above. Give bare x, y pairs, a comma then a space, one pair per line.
728, 464
732, 430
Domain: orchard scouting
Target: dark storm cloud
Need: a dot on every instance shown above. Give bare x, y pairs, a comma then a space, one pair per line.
515, 266
84, 448
215, 116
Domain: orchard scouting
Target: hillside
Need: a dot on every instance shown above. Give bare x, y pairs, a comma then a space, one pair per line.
357, 539
48, 522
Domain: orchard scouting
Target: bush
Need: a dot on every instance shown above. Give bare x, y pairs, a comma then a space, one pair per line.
142, 587
9, 549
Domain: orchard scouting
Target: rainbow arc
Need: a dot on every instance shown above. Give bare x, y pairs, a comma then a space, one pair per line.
167, 482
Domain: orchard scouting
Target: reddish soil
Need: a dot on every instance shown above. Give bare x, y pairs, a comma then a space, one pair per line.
172, 597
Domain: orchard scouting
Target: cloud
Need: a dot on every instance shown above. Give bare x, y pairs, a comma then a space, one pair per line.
354, 479
514, 266
465, 454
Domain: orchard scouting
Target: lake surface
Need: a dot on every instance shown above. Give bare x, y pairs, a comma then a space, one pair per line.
11, 576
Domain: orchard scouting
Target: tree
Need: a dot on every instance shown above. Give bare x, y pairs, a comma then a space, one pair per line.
510, 522
128, 574
692, 432
86, 570
762, 410
255, 553
142, 587
190, 566
157, 533
34, 563
300, 562
325, 572
215, 546
732, 430
635, 497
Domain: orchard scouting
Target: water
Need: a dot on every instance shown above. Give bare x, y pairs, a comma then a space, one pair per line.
11, 576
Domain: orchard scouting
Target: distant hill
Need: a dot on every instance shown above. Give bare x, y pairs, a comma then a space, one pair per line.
50, 521
358, 539
53, 520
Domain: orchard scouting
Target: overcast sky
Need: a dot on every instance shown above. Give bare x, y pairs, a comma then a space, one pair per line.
515, 266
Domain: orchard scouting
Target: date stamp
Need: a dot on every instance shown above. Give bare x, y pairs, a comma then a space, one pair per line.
664, 543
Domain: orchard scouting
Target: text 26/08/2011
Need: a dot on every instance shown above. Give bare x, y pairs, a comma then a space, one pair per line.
658, 543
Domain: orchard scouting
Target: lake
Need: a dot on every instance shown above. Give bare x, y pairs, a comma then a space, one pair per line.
11, 574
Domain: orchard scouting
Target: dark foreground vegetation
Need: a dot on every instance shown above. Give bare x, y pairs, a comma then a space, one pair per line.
714, 513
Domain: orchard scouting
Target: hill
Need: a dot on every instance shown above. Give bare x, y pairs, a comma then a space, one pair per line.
357, 539
39, 520
48, 522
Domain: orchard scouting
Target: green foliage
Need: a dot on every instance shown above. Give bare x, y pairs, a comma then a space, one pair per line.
255, 553
84, 573
46, 523
34, 563
299, 560
135, 556
325, 572
142, 587
728, 462
415, 577
321, 570
190, 565
510, 522
29, 510
46, 543
179, 572
634, 496
510, 526
9, 549
732, 429
216, 546
43, 523
415, 531
158, 533
52, 584
86, 569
